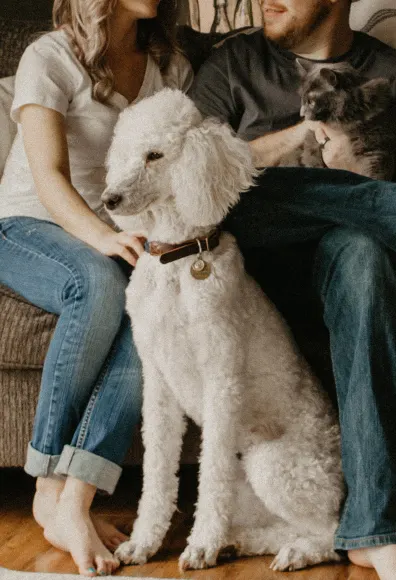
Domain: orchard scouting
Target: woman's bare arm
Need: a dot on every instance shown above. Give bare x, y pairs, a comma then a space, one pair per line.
45, 142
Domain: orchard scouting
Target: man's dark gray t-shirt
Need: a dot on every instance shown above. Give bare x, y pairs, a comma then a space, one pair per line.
253, 84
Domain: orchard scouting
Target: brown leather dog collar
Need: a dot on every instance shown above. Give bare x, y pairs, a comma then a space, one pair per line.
171, 252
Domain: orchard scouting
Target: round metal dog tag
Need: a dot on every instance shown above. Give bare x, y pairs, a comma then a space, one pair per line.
200, 269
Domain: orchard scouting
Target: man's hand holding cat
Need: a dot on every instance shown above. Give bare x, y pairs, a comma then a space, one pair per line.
337, 150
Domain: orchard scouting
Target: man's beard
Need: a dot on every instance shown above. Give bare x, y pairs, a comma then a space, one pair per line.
297, 33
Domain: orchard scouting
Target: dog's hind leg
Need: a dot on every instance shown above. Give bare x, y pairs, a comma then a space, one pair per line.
296, 488
292, 552
256, 531
163, 428
260, 541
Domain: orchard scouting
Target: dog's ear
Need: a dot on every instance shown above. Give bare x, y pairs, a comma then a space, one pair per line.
214, 167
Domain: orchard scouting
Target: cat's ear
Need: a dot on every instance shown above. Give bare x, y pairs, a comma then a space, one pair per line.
377, 95
330, 76
304, 67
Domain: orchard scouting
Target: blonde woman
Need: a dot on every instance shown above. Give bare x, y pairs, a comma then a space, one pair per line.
59, 252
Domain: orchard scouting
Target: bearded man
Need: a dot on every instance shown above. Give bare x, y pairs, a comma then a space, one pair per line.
252, 83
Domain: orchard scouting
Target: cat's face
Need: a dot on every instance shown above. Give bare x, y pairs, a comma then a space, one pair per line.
337, 93
326, 91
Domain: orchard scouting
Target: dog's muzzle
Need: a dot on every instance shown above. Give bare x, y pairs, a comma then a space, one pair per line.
111, 200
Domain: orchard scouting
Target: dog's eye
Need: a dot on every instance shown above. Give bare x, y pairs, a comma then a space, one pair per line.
153, 156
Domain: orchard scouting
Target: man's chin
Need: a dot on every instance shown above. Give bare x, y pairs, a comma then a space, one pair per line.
285, 42
279, 37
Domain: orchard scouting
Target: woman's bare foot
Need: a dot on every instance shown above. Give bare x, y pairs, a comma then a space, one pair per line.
48, 491
108, 533
71, 529
381, 558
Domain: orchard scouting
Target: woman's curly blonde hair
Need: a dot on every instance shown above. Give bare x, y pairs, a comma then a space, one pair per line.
87, 24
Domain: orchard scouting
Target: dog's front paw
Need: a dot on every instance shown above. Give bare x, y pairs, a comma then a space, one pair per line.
129, 553
196, 558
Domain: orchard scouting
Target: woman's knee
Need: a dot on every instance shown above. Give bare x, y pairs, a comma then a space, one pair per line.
98, 280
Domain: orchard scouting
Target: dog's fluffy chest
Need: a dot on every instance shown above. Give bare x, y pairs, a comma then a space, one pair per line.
167, 307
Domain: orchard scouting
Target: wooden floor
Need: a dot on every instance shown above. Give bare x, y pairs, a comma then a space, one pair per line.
22, 546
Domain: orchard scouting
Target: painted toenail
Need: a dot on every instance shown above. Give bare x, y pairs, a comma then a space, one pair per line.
91, 570
102, 573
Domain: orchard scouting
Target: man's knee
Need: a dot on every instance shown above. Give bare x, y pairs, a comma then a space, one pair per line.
349, 267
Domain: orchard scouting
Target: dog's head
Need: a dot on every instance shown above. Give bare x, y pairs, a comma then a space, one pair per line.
163, 149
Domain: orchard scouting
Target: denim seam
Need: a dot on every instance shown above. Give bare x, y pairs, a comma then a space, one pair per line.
73, 275
56, 373
363, 538
91, 403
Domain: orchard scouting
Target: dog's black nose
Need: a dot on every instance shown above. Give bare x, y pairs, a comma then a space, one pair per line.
112, 201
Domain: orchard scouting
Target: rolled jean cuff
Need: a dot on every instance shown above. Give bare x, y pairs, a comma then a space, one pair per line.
364, 542
40, 464
88, 467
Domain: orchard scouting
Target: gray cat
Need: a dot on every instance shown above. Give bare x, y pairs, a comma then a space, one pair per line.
339, 96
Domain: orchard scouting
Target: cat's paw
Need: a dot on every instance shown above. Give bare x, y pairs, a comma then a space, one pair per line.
130, 553
197, 558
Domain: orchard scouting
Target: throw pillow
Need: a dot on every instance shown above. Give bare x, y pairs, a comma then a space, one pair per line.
376, 18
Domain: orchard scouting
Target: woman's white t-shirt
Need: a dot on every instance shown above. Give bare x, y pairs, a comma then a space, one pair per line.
49, 74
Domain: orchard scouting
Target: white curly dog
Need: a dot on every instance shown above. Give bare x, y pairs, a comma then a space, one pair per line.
215, 349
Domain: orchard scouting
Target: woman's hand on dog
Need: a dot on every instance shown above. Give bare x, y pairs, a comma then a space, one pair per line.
124, 244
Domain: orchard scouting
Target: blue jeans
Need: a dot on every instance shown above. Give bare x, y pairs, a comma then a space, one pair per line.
90, 397
353, 221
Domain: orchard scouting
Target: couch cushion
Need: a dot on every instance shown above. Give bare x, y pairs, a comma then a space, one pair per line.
25, 332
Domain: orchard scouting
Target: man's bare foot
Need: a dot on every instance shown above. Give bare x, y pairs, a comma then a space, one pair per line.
48, 491
381, 558
71, 529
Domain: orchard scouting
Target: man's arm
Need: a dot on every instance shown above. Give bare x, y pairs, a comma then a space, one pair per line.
268, 149
213, 94
211, 90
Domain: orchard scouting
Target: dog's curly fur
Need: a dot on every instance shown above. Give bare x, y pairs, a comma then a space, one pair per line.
217, 351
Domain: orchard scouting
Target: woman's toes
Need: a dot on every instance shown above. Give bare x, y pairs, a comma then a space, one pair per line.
115, 563
101, 566
120, 537
117, 540
87, 569
108, 533
105, 566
